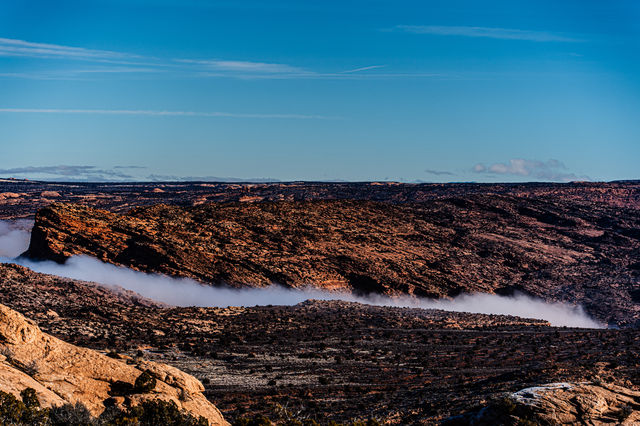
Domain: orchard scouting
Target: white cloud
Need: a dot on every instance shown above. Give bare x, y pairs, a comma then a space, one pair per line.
132, 173
485, 32
112, 62
438, 172
371, 67
68, 172
246, 66
14, 47
551, 170
157, 113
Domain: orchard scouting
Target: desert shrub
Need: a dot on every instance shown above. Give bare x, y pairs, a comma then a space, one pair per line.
158, 412
29, 398
370, 422
150, 413
121, 388
113, 416
296, 422
16, 412
7, 353
31, 368
506, 405
255, 421
624, 413
68, 414
11, 408
144, 383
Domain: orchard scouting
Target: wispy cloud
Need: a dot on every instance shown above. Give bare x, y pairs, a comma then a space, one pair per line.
371, 67
15, 47
133, 173
82, 74
551, 170
175, 178
67, 172
246, 66
105, 70
129, 167
155, 113
486, 32
438, 172
122, 63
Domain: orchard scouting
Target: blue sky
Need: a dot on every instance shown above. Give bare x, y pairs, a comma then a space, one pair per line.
320, 90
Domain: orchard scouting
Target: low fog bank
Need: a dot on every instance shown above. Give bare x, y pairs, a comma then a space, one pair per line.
14, 237
187, 292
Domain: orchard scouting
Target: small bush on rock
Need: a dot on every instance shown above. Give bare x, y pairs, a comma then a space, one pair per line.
145, 383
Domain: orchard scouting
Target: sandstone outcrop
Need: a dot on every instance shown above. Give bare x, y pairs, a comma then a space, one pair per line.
63, 373
587, 403
580, 403
559, 250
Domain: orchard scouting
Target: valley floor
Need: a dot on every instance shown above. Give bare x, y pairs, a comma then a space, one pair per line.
329, 360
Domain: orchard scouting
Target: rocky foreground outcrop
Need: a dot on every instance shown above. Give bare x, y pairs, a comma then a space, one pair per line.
581, 403
587, 403
560, 250
63, 373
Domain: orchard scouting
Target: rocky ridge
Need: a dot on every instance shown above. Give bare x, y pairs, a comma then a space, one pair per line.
559, 251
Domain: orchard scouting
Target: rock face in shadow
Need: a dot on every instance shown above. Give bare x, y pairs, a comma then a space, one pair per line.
562, 404
63, 373
559, 249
